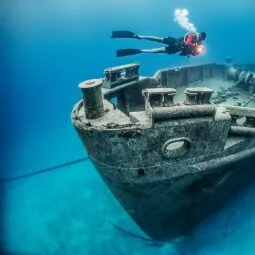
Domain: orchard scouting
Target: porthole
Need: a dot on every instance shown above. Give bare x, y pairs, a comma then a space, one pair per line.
177, 147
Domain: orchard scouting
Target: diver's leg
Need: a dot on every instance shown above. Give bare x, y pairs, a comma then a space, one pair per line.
165, 40
156, 50
168, 49
127, 52
150, 38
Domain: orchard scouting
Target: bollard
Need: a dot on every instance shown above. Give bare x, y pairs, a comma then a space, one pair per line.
169, 97
198, 96
159, 97
92, 98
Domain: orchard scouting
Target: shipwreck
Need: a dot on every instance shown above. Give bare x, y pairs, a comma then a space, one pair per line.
175, 147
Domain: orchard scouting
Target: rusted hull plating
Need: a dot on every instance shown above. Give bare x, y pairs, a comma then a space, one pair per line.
173, 207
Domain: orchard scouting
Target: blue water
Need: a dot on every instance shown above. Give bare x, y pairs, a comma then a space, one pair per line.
47, 48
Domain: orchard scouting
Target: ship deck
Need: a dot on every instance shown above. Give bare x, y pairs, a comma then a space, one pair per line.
217, 84
115, 118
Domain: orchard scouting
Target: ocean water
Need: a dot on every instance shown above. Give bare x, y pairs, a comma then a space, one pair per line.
47, 48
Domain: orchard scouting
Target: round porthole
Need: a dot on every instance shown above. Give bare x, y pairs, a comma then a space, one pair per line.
177, 147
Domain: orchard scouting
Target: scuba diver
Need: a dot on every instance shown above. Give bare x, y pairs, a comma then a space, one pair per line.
190, 44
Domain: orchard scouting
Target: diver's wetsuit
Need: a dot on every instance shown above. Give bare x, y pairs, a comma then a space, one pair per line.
184, 45
174, 45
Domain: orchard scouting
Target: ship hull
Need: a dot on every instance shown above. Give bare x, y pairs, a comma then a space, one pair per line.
170, 208
170, 164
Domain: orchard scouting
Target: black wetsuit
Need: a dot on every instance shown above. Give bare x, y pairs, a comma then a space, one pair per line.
174, 45
177, 45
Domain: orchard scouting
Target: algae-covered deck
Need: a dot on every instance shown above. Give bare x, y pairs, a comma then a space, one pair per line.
224, 92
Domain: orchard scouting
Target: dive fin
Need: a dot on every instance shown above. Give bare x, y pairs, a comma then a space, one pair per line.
127, 52
123, 34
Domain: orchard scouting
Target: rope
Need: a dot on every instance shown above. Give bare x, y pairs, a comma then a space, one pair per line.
23, 176
127, 232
